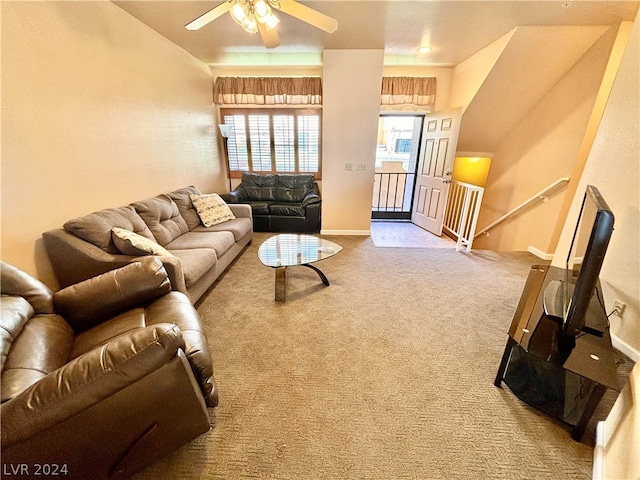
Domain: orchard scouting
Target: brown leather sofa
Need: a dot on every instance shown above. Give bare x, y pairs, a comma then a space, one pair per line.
102, 378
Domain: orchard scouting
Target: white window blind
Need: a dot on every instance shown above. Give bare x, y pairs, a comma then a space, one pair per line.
259, 140
308, 143
284, 142
276, 141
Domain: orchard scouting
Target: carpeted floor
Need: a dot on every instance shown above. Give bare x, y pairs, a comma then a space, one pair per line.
386, 374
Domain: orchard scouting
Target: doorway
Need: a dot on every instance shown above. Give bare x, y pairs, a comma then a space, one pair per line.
435, 169
397, 156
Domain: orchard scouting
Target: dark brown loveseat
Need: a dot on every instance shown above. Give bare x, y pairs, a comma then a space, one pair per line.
101, 378
280, 202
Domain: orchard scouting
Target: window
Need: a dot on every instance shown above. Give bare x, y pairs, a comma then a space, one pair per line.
282, 140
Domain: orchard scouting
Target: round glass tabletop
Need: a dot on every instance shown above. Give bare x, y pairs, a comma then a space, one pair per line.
289, 249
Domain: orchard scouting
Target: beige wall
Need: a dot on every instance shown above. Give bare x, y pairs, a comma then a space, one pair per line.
351, 105
98, 110
468, 76
539, 150
612, 166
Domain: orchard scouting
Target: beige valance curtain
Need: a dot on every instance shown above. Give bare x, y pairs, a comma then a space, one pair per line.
404, 90
268, 91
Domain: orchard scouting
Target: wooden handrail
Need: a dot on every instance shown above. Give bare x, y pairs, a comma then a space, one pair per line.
541, 195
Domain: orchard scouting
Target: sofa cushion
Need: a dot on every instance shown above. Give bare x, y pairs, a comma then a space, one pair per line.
286, 209
96, 227
238, 226
131, 243
183, 200
163, 218
259, 187
212, 210
293, 188
106, 331
195, 263
220, 242
259, 208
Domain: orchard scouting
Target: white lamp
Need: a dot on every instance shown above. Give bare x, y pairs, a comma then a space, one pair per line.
225, 130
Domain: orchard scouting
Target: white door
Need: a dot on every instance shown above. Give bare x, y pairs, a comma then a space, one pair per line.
439, 140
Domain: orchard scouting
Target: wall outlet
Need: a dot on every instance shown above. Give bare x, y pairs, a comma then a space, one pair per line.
618, 307
348, 167
361, 167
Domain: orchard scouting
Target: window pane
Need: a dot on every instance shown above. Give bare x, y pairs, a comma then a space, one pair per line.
260, 140
237, 143
284, 142
273, 140
308, 143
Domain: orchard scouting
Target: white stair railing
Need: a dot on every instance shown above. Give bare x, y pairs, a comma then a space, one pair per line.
541, 196
461, 215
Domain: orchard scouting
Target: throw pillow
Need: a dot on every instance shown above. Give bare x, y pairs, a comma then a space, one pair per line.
131, 243
211, 209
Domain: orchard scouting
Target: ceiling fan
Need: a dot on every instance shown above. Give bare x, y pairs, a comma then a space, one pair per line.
257, 16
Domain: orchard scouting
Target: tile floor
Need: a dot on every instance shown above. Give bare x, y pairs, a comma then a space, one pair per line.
406, 235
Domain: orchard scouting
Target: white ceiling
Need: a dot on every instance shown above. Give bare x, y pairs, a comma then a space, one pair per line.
454, 29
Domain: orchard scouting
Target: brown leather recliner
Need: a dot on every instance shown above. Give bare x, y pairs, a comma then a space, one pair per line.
103, 377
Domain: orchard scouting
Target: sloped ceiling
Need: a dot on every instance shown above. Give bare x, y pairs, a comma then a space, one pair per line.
533, 61
454, 29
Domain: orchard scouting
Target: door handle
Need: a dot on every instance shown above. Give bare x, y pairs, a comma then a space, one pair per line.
446, 180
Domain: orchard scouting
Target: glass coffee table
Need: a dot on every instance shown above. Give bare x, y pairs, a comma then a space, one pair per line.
291, 249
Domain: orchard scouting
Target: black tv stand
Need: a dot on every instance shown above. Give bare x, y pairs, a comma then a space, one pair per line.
562, 375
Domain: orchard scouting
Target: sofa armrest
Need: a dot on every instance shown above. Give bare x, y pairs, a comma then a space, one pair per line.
311, 199
312, 196
74, 259
88, 380
241, 210
173, 266
15, 282
92, 301
234, 196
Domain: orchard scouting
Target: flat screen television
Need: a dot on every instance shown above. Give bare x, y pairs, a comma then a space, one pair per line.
567, 300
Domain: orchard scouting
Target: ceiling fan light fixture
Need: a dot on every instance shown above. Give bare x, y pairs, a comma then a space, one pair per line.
242, 13
261, 10
257, 16
237, 13
250, 25
271, 22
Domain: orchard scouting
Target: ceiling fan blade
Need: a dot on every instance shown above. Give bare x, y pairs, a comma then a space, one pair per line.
309, 15
208, 17
270, 38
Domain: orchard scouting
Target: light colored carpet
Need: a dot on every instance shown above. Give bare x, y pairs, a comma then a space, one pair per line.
386, 374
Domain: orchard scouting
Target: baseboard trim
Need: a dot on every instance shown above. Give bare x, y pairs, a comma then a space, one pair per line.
540, 253
598, 453
600, 446
625, 348
345, 232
